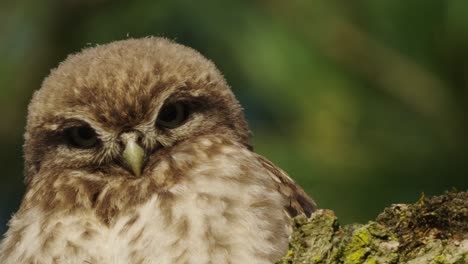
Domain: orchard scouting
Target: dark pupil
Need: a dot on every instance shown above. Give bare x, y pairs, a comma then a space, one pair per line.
169, 113
85, 133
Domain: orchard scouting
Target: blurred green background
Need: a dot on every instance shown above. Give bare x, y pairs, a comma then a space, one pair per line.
363, 102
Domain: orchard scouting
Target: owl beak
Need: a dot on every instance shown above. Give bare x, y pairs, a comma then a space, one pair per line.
133, 155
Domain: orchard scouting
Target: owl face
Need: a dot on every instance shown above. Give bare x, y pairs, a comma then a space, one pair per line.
120, 107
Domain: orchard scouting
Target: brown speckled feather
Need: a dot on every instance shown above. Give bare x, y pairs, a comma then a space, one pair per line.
299, 200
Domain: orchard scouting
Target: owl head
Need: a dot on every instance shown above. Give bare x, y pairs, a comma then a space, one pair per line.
113, 107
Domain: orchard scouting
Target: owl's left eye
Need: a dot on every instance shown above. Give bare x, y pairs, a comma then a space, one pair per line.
172, 115
82, 136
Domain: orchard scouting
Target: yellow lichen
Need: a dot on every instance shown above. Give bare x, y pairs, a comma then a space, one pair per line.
357, 249
440, 259
317, 258
356, 256
364, 237
371, 260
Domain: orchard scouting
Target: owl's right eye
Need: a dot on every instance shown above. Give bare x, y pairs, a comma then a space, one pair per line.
82, 136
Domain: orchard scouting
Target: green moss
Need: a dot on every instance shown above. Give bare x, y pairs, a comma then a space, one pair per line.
363, 236
359, 240
317, 258
321, 240
334, 254
357, 249
356, 256
440, 259
371, 260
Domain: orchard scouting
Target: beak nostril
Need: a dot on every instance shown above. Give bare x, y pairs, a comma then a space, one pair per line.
132, 134
139, 139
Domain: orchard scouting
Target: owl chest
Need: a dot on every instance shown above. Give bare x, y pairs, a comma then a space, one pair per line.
199, 227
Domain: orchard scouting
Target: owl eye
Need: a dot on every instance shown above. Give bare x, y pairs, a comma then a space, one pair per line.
172, 115
82, 136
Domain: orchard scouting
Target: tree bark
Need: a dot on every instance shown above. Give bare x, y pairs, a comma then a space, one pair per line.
433, 230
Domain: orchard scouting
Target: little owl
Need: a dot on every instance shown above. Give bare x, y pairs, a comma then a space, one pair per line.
138, 152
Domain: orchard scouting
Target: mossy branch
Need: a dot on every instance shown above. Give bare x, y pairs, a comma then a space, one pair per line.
434, 230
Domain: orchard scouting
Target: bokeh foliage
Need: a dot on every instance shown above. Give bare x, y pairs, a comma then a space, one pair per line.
363, 102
